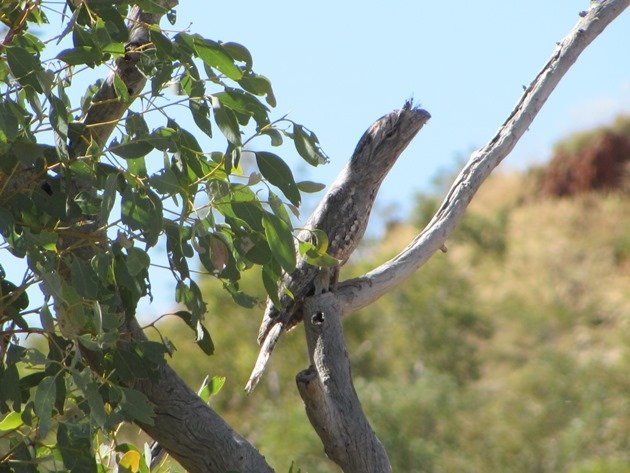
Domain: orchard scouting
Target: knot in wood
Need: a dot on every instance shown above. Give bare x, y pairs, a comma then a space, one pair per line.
317, 318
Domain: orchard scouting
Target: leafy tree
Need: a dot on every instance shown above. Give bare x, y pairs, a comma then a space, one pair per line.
94, 179
85, 212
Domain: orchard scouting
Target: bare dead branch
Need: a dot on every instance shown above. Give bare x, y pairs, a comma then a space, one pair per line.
360, 292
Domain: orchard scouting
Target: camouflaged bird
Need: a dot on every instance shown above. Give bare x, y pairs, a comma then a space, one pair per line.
343, 215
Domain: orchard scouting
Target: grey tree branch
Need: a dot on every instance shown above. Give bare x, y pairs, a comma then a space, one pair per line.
329, 397
343, 215
192, 433
105, 111
357, 293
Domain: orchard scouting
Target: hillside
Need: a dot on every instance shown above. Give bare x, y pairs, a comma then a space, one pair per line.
509, 353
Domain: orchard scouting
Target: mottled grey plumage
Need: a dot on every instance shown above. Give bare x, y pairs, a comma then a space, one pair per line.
343, 215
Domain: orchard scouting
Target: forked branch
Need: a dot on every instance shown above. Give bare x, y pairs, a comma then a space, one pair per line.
326, 387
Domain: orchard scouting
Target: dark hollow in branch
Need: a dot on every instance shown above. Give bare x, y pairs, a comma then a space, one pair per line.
343, 215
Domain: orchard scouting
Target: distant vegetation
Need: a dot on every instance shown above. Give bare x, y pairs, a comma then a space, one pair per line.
509, 353
597, 159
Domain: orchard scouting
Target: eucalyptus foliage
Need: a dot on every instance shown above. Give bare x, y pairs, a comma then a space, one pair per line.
181, 172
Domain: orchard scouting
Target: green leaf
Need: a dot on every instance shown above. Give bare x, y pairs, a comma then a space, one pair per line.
278, 207
131, 149
258, 85
122, 92
165, 182
163, 73
4, 71
137, 406
321, 240
114, 48
270, 277
275, 135
10, 387
250, 212
153, 352
210, 387
83, 278
200, 112
137, 261
12, 299
75, 446
52, 285
203, 339
163, 138
245, 105
46, 319
242, 299
7, 222
136, 126
307, 145
276, 171
59, 116
24, 67
214, 55
192, 298
44, 402
142, 211
9, 125
97, 406
88, 55
280, 239
316, 255
162, 44
109, 196
12, 421
240, 53
226, 121
310, 186
152, 6
129, 365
